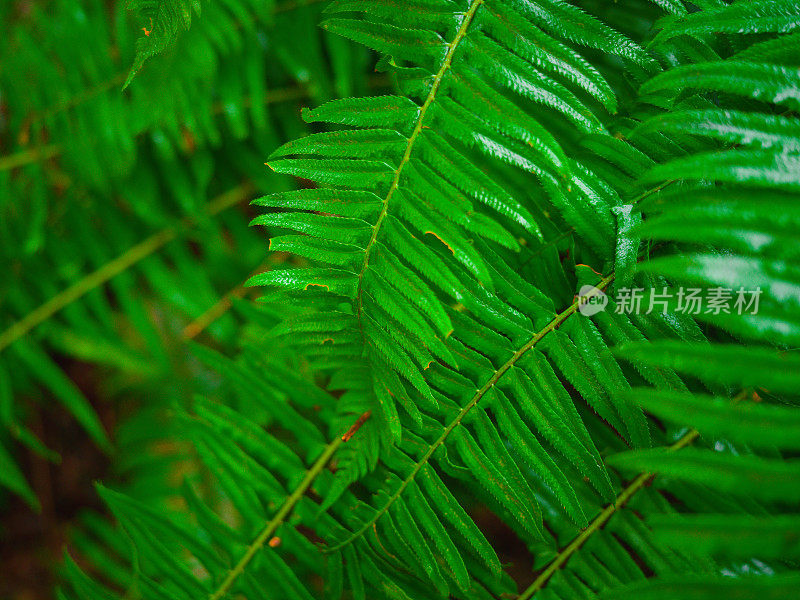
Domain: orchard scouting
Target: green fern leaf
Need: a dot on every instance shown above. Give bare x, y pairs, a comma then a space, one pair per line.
163, 20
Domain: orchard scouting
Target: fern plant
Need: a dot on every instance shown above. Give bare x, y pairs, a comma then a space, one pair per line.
429, 352
109, 197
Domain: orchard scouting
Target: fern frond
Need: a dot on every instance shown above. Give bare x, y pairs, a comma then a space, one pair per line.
114, 268
270, 528
489, 385
442, 247
416, 184
166, 19
99, 171
750, 168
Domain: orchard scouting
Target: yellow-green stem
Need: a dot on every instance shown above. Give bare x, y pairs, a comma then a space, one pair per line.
222, 306
601, 519
437, 81
598, 522
113, 268
271, 527
490, 383
31, 155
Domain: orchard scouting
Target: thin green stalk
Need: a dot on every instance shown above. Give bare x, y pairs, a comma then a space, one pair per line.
598, 522
634, 486
652, 191
437, 81
284, 511
31, 155
490, 383
223, 305
552, 242
113, 268
77, 99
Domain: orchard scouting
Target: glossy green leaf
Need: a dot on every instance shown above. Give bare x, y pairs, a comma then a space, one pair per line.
767, 479
746, 422
768, 83
723, 364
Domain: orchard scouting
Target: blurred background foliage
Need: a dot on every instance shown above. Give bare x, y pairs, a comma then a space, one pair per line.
124, 237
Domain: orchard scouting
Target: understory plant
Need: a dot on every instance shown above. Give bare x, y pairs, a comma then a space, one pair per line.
478, 316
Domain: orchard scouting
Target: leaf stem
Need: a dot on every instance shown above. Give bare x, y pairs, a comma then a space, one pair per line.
284, 511
490, 383
116, 266
634, 486
222, 306
35, 154
31, 155
437, 81
600, 520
